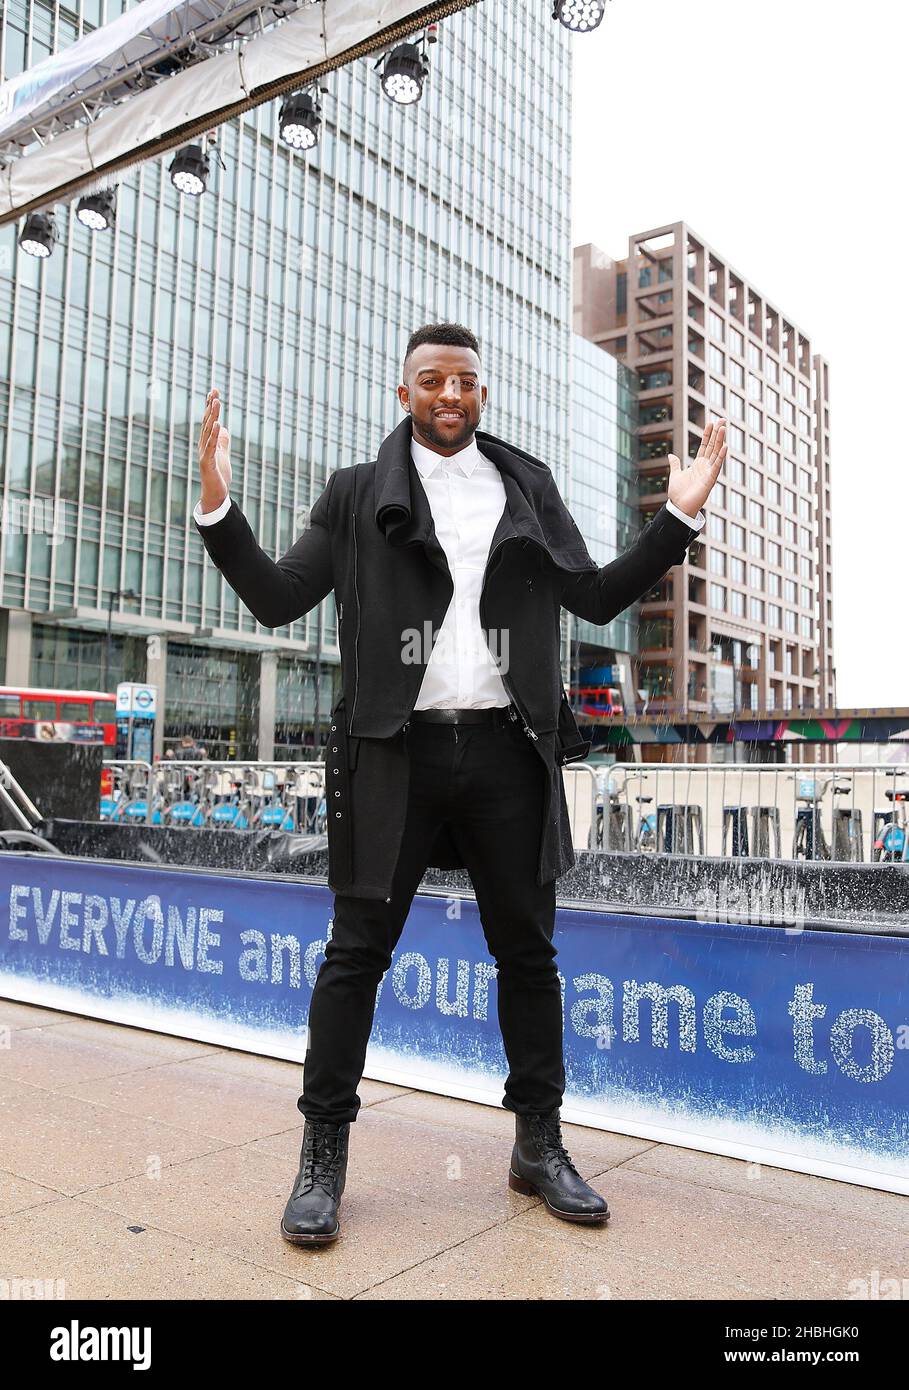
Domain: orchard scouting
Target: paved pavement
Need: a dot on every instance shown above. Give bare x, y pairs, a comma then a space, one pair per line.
137, 1165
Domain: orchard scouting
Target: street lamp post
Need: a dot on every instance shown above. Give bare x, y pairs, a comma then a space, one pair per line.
115, 594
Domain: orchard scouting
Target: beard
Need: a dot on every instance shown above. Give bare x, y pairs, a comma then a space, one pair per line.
449, 436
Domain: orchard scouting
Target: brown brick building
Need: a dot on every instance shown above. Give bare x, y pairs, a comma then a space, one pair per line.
748, 621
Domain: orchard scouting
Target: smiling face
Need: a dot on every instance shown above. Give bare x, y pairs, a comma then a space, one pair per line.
443, 392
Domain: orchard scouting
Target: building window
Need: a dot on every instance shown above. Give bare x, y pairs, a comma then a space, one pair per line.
716, 326
737, 536
717, 562
755, 576
774, 615
717, 597
755, 513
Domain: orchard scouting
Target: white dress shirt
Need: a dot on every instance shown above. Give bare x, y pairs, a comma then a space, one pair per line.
466, 497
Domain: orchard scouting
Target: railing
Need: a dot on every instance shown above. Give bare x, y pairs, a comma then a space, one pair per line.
818, 811
190, 795
847, 812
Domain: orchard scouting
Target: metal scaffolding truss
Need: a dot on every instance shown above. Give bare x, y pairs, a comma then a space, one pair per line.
144, 46
169, 71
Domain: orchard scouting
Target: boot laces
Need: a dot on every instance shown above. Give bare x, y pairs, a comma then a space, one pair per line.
547, 1133
321, 1159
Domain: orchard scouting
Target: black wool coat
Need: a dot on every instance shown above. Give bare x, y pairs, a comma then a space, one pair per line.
371, 539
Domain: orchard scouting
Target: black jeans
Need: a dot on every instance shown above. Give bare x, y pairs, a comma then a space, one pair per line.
487, 782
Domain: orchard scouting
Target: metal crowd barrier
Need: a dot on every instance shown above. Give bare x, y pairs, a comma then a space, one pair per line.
187, 794
844, 812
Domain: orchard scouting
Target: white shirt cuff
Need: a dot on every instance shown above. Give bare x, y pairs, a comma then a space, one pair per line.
694, 521
209, 518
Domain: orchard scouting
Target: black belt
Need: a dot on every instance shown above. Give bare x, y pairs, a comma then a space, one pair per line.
495, 714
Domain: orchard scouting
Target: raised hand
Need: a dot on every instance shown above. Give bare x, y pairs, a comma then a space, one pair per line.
214, 458
690, 487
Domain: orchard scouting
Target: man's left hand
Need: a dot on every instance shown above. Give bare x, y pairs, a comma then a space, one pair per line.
690, 487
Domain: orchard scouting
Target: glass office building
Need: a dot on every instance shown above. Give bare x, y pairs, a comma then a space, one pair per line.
603, 489
293, 285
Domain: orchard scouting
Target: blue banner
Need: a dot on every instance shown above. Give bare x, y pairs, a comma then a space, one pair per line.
781, 1046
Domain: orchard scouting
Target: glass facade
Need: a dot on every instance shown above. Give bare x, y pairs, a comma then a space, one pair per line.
603, 491
292, 285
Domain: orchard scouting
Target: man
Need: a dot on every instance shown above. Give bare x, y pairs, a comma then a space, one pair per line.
450, 556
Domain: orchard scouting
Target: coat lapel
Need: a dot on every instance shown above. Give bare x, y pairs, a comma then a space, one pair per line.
533, 509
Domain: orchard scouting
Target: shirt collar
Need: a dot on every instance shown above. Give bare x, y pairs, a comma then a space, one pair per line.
427, 460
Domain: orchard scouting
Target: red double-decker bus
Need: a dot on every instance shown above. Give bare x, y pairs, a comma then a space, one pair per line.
57, 716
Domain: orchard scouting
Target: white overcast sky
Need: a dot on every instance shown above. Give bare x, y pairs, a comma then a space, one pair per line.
776, 130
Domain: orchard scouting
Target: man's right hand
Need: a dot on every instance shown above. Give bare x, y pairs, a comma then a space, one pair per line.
214, 459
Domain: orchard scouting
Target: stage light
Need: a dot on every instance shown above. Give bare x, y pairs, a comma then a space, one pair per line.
403, 74
39, 234
580, 16
300, 121
98, 211
190, 169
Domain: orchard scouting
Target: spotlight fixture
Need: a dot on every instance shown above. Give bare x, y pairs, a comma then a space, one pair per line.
98, 211
300, 121
190, 169
580, 16
403, 73
39, 234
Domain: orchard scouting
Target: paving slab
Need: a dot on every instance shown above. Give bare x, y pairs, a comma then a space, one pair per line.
138, 1165
97, 1256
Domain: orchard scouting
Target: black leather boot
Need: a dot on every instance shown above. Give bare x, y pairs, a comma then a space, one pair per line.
311, 1214
540, 1166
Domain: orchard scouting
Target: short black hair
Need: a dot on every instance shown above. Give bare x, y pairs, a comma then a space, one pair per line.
449, 334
